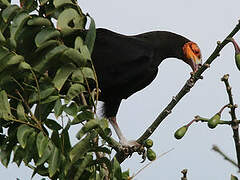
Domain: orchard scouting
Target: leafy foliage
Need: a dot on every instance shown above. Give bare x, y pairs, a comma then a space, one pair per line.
46, 70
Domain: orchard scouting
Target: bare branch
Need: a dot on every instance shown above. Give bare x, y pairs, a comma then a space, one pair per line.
235, 124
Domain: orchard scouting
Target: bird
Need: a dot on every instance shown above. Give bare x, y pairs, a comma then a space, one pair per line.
126, 64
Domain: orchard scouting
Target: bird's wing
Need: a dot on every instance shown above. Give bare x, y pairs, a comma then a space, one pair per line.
122, 61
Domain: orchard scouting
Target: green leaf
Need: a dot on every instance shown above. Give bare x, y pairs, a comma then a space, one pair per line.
43, 94
66, 144
41, 142
41, 170
46, 155
54, 162
52, 124
69, 21
39, 21
50, 59
58, 3
30, 149
87, 159
74, 91
5, 111
58, 108
125, 175
77, 76
117, 172
9, 13
79, 45
47, 44
80, 149
88, 73
45, 35
56, 139
73, 55
62, 75
3, 52
72, 109
21, 112
91, 35
42, 111
51, 11
83, 116
29, 5
92, 124
17, 24
5, 156
2, 38
24, 131
24, 66
49, 99
233, 177
19, 153
5, 2
9, 60
103, 123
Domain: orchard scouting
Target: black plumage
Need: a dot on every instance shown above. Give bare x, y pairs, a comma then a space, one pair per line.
127, 64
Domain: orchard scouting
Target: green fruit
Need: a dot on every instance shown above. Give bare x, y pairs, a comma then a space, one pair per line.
213, 122
180, 132
151, 155
237, 60
148, 143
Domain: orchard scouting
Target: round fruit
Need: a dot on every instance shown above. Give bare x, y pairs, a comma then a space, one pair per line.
148, 143
237, 60
180, 132
213, 122
151, 155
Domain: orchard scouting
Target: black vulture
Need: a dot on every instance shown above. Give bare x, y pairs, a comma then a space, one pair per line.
127, 64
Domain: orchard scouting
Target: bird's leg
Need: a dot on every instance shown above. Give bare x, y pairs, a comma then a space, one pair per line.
123, 141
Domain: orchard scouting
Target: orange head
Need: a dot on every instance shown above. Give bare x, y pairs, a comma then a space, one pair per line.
192, 55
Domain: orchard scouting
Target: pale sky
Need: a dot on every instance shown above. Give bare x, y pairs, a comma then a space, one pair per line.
204, 22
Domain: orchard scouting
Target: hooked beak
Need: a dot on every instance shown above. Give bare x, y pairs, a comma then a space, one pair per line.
195, 62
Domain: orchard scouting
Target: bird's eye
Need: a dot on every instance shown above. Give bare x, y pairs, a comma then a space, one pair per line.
195, 49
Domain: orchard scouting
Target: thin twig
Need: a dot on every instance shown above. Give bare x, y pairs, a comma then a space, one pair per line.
216, 149
186, 88
202, 119
31, 114
134, 175
184, 172
235, 124
89, 91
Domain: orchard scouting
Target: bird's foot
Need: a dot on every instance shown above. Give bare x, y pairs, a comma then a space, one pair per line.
129, 147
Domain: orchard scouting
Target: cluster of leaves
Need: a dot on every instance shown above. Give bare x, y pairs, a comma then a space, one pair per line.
47, 77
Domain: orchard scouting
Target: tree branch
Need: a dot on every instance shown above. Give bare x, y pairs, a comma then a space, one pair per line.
184, 172
235, 124
186, 88
216, 149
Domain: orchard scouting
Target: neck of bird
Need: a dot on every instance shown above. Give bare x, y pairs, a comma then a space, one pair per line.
165, 45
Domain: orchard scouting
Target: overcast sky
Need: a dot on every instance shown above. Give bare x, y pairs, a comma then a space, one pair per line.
204, 22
